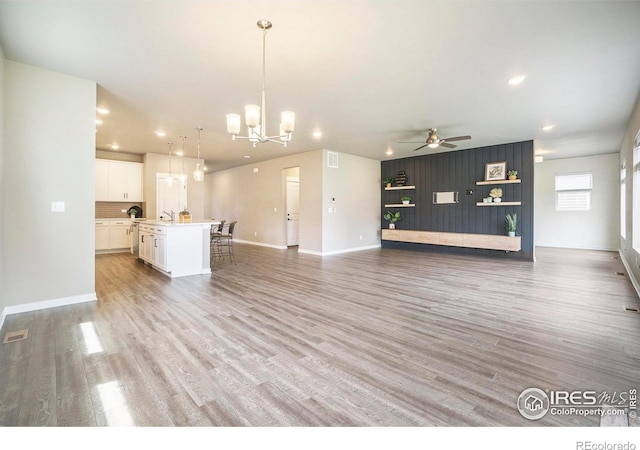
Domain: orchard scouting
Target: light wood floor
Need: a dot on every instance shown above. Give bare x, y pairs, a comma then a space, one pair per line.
374, 338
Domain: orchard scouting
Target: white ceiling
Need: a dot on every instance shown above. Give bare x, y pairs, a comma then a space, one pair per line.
366, 73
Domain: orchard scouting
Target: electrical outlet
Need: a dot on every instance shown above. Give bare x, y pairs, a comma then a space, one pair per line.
123, 210
255, 233
360, 237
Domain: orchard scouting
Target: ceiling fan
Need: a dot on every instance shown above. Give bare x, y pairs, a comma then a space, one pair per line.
433, 141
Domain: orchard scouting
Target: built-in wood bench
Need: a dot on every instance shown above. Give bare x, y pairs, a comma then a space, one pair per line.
486, 241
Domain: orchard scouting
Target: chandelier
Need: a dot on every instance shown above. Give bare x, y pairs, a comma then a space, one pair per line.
255, 116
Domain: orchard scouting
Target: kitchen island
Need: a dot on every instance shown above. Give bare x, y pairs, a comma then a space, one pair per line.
176, 249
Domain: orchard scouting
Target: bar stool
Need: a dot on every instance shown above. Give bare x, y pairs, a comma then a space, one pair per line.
215, 250
225, 242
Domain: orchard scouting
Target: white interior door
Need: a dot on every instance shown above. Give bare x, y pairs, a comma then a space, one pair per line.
170, 197
293, 211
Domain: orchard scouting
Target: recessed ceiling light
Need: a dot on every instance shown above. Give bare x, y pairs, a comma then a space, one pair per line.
539, 159
516, 80
115, 146
179, 153
317, 134
389, 152
159, 133
204, 168
99, 122
247, 156
547, 127
102, 110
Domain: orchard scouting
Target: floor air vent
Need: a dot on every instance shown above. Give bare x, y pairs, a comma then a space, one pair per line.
13, 336
620, 273
631, 308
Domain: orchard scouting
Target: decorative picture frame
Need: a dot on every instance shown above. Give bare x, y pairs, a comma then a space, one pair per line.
495, 171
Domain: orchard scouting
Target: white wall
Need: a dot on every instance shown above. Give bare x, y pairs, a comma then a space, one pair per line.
254, 195
598, 228
353, 191
49, 152
2, 302
256, 199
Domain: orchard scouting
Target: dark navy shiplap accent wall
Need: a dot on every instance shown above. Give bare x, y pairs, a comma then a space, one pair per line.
459, 171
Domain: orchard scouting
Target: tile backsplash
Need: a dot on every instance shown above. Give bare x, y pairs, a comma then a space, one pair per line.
113, 210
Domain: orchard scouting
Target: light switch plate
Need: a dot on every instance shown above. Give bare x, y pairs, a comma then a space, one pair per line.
57, 206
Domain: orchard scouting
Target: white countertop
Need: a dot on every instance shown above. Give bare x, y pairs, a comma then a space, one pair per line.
167, 223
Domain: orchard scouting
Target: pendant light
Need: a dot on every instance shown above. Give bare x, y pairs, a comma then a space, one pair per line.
198, 174
255, 116
170, 179
183, 177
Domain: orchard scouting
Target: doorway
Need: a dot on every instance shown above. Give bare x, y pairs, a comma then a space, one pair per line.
292, 200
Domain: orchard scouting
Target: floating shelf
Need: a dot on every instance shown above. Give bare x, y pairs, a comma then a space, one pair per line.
398, 188
499, 204
399, 205
481, 183
486, 241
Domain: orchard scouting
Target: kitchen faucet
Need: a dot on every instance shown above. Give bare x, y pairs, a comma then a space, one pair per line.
171, 214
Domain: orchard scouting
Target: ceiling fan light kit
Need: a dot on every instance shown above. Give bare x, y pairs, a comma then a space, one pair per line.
433, 141
255, 116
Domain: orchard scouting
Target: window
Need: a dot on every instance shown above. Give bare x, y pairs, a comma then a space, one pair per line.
623, 201
635, 172
573, 192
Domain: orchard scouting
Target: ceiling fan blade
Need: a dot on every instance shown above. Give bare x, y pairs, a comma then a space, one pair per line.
457, 138
446, 144
415, 150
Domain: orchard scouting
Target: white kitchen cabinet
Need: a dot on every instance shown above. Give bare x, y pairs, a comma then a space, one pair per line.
145, 240
113, 234
120, 234
118, 181
159, 252
102, 235
176, 249
102, 180
152, 248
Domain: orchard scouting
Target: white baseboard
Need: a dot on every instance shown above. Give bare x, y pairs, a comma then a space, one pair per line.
35, 306
632, 277
279, 247
573, 247
310, 252
338, 252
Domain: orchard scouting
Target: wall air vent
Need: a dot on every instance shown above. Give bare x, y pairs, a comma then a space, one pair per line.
332, 160
13, 336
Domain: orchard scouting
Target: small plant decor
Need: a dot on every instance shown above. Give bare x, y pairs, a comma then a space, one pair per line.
405, 199
512, 174
496, 194
184, 216
392, 218
388, 181
512, 223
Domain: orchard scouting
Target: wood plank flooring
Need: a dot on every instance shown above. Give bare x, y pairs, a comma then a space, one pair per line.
375, 338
